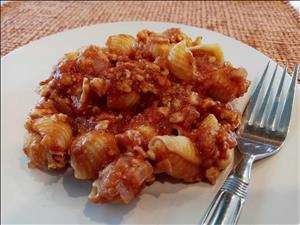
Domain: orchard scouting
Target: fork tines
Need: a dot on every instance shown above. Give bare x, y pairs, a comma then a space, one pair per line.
270, 105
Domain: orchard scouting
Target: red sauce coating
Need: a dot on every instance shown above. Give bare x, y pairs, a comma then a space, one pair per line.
127, 91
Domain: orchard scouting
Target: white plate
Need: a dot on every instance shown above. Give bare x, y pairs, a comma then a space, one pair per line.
30, 196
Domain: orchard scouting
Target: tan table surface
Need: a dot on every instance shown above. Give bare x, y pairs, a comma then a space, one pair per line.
272, 27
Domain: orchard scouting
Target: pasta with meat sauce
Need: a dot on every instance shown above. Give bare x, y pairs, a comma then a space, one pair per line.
119, 115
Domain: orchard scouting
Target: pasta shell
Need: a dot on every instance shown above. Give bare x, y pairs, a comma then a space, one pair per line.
121, 180
122, 44
177, 167
91, 152
227, 83
99, 85
180, 145
212, 174
197, 41
84, 97
33, 149
71, 55
92, 60
159, 49
56, 132
210, 124
181, 62
187, 39
215, 50
147, 131
175, 35
126, 100
223, 163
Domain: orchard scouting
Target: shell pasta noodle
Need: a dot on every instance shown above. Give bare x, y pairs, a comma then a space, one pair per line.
91, 152
48, 141
121, 114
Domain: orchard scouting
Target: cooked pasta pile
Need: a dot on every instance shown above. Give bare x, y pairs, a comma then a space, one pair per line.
140, 106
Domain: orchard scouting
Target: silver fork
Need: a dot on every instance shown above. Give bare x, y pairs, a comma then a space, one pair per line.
261, 134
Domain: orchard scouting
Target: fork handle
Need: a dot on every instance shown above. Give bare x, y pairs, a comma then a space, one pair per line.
227, 205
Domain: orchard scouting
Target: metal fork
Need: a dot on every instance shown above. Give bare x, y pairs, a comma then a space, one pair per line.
261, 134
